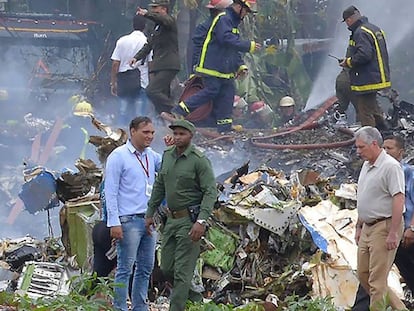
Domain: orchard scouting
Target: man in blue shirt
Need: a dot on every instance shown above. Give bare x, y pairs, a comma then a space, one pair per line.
129, 176
404, 259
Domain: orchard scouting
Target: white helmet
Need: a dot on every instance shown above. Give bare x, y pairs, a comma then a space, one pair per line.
287, 101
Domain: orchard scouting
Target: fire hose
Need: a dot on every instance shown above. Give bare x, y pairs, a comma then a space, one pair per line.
332, 145
308, 124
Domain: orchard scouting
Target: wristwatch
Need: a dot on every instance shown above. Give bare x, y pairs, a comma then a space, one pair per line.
202, 221
412, 228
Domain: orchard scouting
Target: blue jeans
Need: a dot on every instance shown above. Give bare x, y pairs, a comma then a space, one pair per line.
145, 107
132, 106
139, 248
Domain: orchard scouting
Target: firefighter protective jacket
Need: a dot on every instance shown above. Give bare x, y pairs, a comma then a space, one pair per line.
220, 55
199, 36
368, 58
163, 41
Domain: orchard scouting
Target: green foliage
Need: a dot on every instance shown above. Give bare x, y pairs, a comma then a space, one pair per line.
291, 303
384, 304
277, 70
8, 299
296, 303
88, 293
211, 306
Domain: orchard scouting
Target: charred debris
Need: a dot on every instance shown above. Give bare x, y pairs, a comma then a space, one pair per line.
281, 231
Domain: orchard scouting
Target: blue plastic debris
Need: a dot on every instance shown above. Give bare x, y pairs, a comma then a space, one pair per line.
319, 240
39, 193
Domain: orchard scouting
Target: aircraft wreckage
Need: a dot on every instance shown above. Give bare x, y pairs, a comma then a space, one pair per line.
283, 224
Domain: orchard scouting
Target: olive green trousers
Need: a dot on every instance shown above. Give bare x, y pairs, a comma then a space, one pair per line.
178, 259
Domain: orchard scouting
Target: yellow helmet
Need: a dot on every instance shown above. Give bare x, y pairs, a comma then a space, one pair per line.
74, 99
249, 4
83, 109
287, 101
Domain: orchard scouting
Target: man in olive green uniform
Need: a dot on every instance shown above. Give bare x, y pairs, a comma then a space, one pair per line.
186, 180
165, 64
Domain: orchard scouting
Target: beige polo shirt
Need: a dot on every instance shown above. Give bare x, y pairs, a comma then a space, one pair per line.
377, 184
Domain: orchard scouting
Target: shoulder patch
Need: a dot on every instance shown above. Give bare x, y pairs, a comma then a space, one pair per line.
198, 153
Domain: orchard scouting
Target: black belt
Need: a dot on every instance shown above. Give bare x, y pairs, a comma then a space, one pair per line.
125, 218
369, 224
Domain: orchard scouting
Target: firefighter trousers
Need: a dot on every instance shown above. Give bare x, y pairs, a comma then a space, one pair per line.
344, 92
369, 112
221, 93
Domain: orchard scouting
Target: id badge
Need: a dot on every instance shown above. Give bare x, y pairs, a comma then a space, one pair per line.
148, 189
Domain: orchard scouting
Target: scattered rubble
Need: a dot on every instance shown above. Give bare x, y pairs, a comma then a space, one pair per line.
282, 227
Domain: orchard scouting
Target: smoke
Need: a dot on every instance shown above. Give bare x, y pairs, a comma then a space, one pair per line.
394, 17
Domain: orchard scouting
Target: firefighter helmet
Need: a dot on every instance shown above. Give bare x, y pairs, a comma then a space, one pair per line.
239, 102
219, 4
261, 109
74, 99
249, 4
83, 109
287, 101
154, 3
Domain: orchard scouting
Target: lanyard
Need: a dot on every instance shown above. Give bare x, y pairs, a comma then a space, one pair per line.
146, 170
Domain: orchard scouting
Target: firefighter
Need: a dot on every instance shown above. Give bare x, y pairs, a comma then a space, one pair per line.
368, 66
286, 110
220, 62
215, 7
261, 116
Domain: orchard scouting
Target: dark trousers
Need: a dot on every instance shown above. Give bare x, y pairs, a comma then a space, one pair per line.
343, 91
361, 300
369, 112
404, 260
221, 92
101, 244
158, 90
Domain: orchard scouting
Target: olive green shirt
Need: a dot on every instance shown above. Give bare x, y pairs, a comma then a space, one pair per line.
163, 42
184, 181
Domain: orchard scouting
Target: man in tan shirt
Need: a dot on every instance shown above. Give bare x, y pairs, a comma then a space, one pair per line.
380, 204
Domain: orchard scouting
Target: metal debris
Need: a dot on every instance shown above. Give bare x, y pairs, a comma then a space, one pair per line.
283, 223
42, 279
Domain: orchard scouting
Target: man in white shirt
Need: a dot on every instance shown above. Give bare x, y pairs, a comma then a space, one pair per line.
129, 83
380, 205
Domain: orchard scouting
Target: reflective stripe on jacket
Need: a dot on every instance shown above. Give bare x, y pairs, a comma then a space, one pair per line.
368, 58
220, 55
